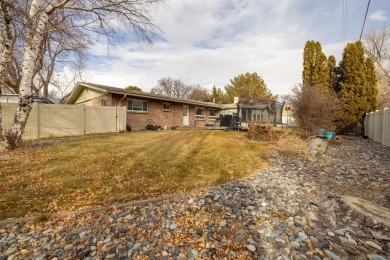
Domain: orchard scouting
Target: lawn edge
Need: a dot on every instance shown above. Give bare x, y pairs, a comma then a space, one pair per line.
93, 210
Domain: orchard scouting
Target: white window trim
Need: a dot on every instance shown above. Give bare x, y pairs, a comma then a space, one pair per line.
167, 110
213, 117
200, 116
104, 102
137, 111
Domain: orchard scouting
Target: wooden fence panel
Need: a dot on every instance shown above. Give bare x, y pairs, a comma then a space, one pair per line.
66, 120
121, 118
386, 127
59, 120
378, 126
100, 119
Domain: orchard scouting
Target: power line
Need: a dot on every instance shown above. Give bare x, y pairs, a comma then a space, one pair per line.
344, 22
361, 33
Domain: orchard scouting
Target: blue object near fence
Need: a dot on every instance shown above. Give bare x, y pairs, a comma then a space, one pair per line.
329, 135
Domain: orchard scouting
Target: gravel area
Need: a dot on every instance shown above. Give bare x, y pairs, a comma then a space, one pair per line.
294, 209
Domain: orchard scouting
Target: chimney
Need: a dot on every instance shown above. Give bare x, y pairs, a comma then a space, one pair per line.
236, 99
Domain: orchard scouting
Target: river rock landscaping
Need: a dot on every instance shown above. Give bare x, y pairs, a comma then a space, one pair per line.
296, 208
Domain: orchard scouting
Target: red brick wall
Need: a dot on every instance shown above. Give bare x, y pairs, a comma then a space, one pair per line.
138, 119
97, 101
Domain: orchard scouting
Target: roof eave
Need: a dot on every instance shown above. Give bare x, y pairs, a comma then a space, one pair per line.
163, 98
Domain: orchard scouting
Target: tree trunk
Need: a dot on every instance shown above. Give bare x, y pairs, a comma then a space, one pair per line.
31, 50
6, 39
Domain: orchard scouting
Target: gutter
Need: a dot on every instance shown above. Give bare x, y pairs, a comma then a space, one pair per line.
168, 99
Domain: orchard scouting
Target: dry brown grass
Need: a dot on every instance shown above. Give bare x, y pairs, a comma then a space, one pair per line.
98, 170
290, 143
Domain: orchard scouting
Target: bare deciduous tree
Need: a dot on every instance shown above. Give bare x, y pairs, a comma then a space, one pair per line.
312, 108
172, 87
377, 47
108, 18
200, 94
64, 47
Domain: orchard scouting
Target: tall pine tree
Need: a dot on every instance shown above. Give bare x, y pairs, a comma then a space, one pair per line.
332, 71
218, 96
358, 89
371, 86
308, 63
315, 66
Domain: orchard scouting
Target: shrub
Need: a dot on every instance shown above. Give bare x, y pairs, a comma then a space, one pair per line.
261, 132
313, 108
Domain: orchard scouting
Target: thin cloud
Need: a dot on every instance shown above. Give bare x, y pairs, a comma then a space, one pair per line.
379, 15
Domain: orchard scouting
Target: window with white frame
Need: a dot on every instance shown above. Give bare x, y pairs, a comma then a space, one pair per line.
199, 112
166, 107
104, 102
213, 114
137, 105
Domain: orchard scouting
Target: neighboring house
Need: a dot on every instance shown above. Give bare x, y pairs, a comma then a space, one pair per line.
143, 107
14, 98
287, 116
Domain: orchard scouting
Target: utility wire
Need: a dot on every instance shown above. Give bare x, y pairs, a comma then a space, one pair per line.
344, 22
342, 26
361, 33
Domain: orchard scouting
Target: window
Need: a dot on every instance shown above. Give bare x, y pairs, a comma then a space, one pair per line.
213, 114
199, 113
166, 107
246, 114
257, 115
137, 105
104, 102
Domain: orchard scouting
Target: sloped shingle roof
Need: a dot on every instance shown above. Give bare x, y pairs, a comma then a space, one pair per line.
140, 94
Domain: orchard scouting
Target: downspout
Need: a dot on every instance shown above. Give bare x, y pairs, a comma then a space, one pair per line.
119, 103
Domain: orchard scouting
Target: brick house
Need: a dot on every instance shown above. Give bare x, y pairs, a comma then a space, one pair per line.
142, 106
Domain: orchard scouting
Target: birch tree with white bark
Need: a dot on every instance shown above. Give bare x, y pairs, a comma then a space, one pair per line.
377, 47
92, 18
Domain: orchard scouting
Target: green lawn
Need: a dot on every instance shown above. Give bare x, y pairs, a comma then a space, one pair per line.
97, 170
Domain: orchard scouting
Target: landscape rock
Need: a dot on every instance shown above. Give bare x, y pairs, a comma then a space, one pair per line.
317, 146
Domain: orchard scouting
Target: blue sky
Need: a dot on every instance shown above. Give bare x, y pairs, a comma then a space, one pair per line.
208, 42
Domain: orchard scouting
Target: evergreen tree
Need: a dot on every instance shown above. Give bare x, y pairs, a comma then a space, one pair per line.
371, 86
133, 88
315, 66
353, 88
218, 96
321, 69
308, 63
332, 71
248, 86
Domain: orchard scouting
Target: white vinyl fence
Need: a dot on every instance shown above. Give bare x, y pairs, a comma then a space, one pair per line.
377, 126
64, 120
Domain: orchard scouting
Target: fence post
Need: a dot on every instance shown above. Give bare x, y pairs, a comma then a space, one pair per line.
116, 119
366, 124
82, 119
384, 126
38, 119
375, 124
